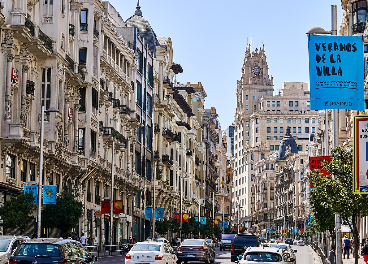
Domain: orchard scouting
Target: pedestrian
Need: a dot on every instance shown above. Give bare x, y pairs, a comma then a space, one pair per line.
346, 243
365, 253
83, 239
173, 242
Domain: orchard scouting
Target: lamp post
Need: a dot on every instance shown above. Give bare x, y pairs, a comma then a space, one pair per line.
40, 173
318, 30
158, 166
112, 188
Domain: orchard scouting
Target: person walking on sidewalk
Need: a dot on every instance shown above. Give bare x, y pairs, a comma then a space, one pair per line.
346, 243
365, 253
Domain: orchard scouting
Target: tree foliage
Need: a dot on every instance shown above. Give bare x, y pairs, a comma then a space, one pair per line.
63, 215
334, 194
162, 227
18, 212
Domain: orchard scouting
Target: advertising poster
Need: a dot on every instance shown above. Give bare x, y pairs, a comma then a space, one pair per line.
360, 159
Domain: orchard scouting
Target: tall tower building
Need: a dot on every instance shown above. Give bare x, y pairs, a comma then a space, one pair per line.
261, 122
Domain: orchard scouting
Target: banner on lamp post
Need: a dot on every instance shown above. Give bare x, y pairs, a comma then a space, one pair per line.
336, 70
315, 163
49, 194
185, 217
360, 158
159, 213
31, 189
118, 206
148, 212
176, 216
105, 206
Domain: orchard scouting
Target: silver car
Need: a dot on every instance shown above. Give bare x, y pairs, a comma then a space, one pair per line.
7, 245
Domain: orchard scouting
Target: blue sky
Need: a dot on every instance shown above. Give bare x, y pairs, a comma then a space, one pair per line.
209, 39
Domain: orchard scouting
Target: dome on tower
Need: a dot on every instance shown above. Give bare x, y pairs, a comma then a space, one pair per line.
143, 27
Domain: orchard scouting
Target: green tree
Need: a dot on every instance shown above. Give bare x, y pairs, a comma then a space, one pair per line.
63, 215
336, 191
175, 226
18, 212
162, 227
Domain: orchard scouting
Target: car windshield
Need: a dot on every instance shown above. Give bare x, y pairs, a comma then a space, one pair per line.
146, 247
263, 256
33, 249
278, 246
191, 242
4, 243
227, 236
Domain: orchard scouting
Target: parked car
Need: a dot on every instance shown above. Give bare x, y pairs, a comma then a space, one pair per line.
226, 240
151, 252
196, 250
240, 244
7, 246
300, 243
51, 250
262, 255
288, 252
289, 241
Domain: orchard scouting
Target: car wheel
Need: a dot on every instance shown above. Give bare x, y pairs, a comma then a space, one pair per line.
233, 259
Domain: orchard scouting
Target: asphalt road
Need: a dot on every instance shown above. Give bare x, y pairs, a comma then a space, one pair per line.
303, 256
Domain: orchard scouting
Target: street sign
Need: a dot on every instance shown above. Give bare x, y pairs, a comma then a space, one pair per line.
360, 160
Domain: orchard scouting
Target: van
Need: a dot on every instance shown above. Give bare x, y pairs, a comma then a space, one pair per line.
241, 242
226, 240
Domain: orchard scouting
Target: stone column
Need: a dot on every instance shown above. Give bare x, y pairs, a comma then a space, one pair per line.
23, 115
161, 80
8, 98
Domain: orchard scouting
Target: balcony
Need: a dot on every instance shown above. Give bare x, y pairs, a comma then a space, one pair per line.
28, 24
167, 133
125, 110
359, 27
166, 160
111, 132
185, 124
177, 138
71, 30
189, 152
47, 42
168, 84
115, 103
70, 62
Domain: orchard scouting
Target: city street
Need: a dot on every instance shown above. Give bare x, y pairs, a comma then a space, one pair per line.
304, 256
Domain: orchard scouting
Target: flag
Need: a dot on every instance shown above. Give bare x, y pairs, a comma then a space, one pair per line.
118, 206
216, 222
220, 224
148, 212
203, 220
176, 216
185, 218
226, 225
159, 213
32, 189
196, 218
49, 194
240, 229
105, 207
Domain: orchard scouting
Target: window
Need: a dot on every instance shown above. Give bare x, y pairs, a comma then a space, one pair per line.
246, 107
299, 120
275, 120
313, 130
82, 99
275, 130
294, 120
247, 123
276, 148
93, 142
262, 156
83, 20
46, 87
10, 166
296, 103
149, 105
278, 103
281, 129
272, 147
48, 7
268, 137
307, 120
273, 104
94, 98
290, 103
308, 103
281, 120
268, 103
268, 120
246, 97
257, 139
268, 129
81, 141
294, 129
254, 98
82, 56
306, 129
23, 173
299, 130
32, 171
257, 120
299, 147
254, 107
257, 130
274, 137
289, 120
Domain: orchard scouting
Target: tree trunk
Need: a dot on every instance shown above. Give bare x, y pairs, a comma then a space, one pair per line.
356, 240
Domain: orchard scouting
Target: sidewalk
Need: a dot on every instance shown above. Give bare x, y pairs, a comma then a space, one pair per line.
352, 260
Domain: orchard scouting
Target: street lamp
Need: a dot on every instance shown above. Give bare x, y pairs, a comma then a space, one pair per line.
43, 111
358, 5
112, 188
159, 165
360, 16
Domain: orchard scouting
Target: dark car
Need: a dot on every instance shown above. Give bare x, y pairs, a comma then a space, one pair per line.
195, 250
289, 241
51, 250
240, 244
226, 241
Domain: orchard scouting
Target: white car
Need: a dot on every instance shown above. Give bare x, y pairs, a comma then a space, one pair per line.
300, 243
151, 252
262, 255
7, 246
